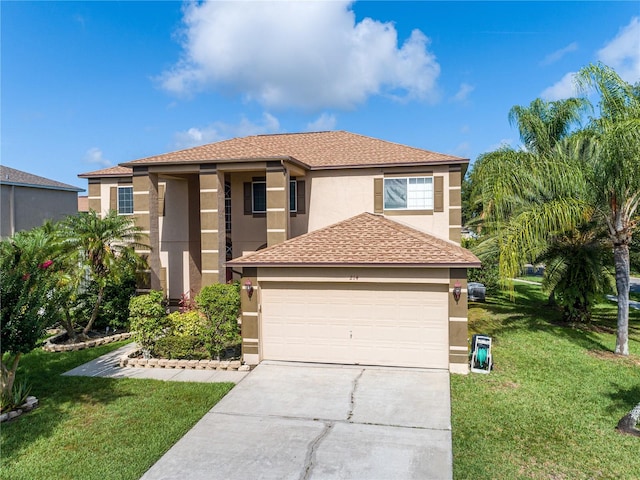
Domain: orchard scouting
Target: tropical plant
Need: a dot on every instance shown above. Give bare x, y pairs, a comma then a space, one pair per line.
613, 182
102, 248
532, 198
576, 274
26, 284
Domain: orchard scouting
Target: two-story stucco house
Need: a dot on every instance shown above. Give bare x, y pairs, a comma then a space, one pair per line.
347, 247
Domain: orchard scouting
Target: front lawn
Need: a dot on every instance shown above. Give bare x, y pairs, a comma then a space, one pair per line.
549, 407
97, 428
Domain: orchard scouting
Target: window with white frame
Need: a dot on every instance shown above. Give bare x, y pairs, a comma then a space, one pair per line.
259, 196
408, 193
125, 200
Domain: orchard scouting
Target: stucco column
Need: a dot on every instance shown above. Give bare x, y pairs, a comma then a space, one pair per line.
277, 203
145, 211
458, 332
212, 232
95, 199
249, 306
455, 204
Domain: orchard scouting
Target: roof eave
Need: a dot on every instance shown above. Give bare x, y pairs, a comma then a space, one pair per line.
70, 188
277, 158
106, 175
424, 163
359, 265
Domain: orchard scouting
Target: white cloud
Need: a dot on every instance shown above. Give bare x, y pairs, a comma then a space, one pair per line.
623, 52
94, 156
558, 54
323, 123
463, 92
465, 129
310, 55
220, 131
565, 88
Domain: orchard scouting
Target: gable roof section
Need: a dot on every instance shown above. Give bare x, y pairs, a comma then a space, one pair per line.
116, 171
11, 176
364, 240
318, 150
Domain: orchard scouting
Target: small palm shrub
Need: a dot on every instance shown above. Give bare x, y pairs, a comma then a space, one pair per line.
15, 398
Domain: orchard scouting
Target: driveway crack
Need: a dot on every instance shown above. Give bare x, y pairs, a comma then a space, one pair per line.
353, 395
310, 459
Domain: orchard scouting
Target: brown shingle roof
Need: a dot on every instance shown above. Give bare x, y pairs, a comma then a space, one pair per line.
116, 171
336, 149
364, 240
11, 176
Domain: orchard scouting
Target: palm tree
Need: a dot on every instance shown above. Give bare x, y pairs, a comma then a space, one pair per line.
104, 248
613, 163
542, 125
589, 177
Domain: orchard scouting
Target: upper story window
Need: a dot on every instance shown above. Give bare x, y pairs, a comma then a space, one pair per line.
410, 193
125, 200
259, 196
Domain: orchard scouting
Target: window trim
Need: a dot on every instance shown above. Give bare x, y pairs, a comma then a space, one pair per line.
122, 187
293, 190
417, 210
253, 203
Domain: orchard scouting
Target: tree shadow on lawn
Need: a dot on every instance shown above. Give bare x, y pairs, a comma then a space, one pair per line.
623, 399
529, 310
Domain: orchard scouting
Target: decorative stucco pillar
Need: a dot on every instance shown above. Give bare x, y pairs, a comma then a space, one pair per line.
458, 332
455, 204
277, 203
145, 211
95, 198
249, 305
212, 234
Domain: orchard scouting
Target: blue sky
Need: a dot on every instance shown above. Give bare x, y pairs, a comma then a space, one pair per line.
87, 85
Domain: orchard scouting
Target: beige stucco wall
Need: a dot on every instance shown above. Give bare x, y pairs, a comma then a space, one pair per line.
354, 275
248, 233
337, 195
174, 236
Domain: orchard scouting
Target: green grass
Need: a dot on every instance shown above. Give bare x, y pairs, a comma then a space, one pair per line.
97, 428
549, 407
531, 278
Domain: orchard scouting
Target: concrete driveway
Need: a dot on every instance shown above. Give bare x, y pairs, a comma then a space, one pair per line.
307, 421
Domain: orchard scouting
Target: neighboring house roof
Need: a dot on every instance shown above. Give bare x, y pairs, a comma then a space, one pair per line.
11, 176
319, 150
117, 171
364, 240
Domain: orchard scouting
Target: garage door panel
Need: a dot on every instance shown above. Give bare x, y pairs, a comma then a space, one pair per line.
382, 324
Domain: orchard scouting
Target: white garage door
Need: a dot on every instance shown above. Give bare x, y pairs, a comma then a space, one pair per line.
366, 324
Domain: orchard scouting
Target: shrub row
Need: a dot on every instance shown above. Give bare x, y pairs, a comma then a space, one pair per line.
204, 329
